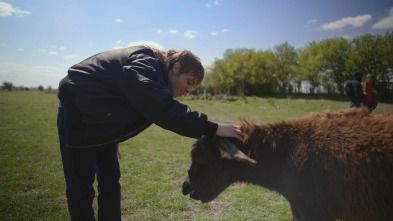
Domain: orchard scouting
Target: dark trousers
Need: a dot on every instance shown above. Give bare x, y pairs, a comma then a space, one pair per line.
80, 169
353, 104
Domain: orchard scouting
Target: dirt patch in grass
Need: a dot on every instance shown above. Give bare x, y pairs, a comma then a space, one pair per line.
28, 191
385, 107
217, 208
137, 212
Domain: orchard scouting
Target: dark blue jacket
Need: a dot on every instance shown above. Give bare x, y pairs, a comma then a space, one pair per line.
114, 95
358, 96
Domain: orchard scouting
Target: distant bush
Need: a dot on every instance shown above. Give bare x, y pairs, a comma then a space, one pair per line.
8, 86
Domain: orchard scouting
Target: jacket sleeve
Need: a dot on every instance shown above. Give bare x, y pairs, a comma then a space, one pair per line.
144, 86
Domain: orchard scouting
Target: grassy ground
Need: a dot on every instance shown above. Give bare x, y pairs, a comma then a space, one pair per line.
154, 164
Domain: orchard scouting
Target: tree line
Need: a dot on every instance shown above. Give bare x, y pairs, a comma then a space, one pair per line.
327, 63
9, 86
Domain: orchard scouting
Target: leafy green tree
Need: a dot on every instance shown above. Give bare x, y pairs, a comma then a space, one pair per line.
366, 54
256, 81
335, 53
287, 60
310, 65
213, 79
265, 68
40, 88
239, 69
387, 58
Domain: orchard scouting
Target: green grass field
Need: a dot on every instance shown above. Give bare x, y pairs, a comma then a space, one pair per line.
154, 164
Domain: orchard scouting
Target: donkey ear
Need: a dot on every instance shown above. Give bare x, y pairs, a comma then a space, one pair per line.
229, 151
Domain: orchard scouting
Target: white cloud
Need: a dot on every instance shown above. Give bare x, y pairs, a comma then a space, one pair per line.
158, 31
215, 33
172, 32
216, 3
69, 57
356, 22
120, 44
385, 23
7, 10
147, 43
118, 20
191, 34
53, 49
20, 49
311, 21
30, 76
348, 37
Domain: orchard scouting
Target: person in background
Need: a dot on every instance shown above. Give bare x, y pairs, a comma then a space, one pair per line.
357, 99
371, 92
111, 97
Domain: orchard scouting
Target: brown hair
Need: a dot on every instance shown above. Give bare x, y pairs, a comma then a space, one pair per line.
189, 63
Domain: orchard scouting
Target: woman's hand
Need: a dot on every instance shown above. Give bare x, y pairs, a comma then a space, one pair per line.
229, 131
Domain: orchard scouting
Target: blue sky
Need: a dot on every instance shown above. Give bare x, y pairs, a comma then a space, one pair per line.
41, 39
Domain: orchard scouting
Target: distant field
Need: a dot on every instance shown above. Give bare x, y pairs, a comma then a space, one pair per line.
154, 164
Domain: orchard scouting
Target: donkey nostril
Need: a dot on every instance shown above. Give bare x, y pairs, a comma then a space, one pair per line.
186, 188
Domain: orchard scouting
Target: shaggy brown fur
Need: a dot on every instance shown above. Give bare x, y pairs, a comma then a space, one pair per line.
328, 166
